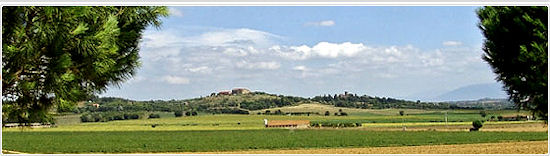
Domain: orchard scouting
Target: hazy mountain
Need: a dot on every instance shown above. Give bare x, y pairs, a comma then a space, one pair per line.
473, 92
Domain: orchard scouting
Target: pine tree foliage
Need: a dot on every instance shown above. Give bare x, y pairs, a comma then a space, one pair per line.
59, 55
516, 47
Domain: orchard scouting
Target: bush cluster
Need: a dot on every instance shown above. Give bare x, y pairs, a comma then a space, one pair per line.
109, 116
340, 124
154, 115
178, 113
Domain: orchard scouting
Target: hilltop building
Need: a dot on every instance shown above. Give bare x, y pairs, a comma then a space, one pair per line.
224, 92
234, 91
240, 91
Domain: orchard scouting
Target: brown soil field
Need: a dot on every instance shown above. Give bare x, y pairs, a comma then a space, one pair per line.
526, 147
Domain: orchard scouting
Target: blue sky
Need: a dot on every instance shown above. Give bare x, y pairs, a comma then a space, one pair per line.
403, 52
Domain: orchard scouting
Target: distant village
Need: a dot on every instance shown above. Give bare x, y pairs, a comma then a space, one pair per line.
234, 91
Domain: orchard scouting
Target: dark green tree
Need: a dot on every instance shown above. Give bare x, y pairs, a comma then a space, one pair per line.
61, 55
516, 47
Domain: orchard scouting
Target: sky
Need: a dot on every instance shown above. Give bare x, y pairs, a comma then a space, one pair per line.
402, 52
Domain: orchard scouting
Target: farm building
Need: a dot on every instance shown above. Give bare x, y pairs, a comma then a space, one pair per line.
287, 123
240, 91
95, 105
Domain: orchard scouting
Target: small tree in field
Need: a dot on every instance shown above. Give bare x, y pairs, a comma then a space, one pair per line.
327, 113
401, 113
477, 125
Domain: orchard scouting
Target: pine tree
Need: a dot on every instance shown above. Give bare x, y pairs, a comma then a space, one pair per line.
59, 55
516, 47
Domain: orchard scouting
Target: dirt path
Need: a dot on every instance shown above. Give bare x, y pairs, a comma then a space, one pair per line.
526, 147
11, 152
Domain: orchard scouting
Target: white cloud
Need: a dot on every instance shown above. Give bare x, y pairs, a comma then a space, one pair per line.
326, 23
321, 49
175, 79
175, 12
201, 69
233, 37
300, 68
160, 39
271, 65
236, 54
136, 79
452, 43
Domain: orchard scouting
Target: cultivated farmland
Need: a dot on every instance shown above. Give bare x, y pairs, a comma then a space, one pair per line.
226, 132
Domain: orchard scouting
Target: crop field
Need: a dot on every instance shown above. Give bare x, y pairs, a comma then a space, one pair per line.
523, 147
232, 140
219, 133
251, 122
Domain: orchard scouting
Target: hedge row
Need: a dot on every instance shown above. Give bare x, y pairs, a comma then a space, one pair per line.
334, 124
110, 116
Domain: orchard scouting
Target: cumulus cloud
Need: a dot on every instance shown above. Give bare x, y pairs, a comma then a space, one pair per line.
247, 55
271, 65
175, 79
452, 43
321, 49
326, 23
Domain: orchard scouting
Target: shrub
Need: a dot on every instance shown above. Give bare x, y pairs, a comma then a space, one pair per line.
131, 116
344, 114
118, 117
401, 113
358, 124
178, 113
194, 113
86, 118
499, 118
187, 113
477, 124
315, 124
154, 115
349, 124
96, 117
327, 113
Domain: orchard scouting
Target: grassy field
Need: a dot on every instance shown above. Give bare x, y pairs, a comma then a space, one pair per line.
252, 122
231, 140
211, 133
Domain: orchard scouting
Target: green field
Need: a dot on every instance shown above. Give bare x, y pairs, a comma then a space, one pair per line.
231, 140
247, 122
207, 132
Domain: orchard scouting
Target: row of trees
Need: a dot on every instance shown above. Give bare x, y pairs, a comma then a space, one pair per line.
369, 102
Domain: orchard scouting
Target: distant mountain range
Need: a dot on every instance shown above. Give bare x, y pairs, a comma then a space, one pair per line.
474, 92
